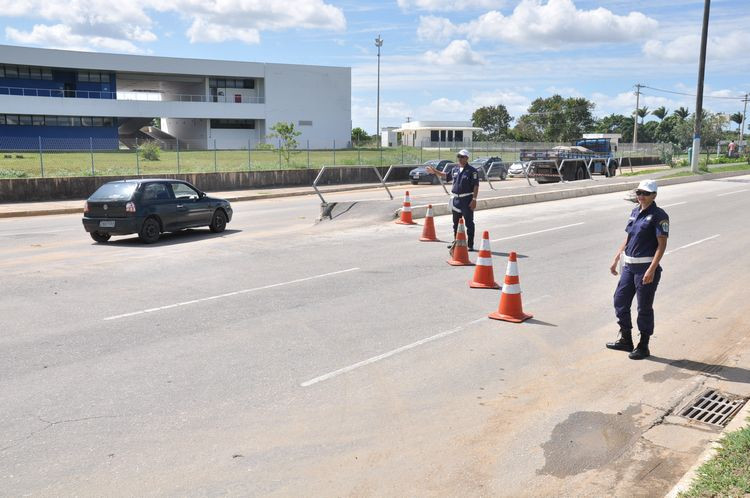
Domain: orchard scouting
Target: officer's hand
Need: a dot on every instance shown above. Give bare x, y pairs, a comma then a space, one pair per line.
473, 204
430, 170
648, 277
613, 268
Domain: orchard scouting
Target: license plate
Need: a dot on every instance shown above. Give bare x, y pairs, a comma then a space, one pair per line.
107, 224
416, 176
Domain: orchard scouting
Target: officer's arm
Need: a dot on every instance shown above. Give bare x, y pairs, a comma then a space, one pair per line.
613, 267
661, 240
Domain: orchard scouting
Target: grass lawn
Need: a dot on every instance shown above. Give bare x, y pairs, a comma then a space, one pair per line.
713, 169
644, 172
728, 473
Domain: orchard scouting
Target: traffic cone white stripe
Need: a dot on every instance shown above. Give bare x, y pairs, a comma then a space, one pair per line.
406, 209
512, 288
512, 269
485, 245
484, 261
429, 212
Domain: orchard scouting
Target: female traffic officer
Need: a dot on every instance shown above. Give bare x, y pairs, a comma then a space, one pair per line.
644, 246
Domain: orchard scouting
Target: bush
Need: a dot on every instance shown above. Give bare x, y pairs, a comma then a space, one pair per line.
12, 173
150, 151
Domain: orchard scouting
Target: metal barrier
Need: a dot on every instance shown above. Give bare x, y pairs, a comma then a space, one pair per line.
374, 168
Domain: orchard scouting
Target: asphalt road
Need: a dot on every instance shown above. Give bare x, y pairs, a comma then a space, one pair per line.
282, 358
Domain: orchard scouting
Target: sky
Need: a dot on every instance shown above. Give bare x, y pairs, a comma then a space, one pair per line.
440, 59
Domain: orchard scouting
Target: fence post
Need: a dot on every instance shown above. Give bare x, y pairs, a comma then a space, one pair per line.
334, 152
381, 154
359, 154
91, 151
402, 151
137, 159
249, 167
215, 168
438, 149
308, 153
177, 145
279, 153
420, 154
41, 158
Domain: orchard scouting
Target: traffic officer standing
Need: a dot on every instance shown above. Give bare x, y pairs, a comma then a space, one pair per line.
644, 246
463, 194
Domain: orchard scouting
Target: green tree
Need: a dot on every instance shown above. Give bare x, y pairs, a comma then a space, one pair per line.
681, 112
660, 112
287, 136
616, 123
359, 135
557, 119
642, 113
494, 121
736, 118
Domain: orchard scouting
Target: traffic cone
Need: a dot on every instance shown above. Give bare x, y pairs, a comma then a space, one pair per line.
484, 277
510, 308
405, 218
428, 232
460, 256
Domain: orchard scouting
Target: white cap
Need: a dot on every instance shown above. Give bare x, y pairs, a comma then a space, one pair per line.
462, 152
647, 185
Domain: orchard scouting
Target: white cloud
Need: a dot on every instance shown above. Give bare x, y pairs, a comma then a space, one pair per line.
60, 36
436, 29
458, 52
461, 109
682, 49
448, 5
547, 25
97, 24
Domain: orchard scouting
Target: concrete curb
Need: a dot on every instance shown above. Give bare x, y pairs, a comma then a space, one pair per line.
237, 198
738, 422
556, 195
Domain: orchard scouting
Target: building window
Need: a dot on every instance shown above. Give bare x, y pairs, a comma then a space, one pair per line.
230, 83
11, 119
305, 123
434, 136
233, 124
450, 135
459, 135
93, 76
442, 135
11, 72
40, 120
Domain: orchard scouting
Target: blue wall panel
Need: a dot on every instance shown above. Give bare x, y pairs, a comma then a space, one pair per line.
58, 138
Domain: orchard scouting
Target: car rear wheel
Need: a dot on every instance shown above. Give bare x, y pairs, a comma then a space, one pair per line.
100, 237
150, 231
580, 173
218, 221
414, 182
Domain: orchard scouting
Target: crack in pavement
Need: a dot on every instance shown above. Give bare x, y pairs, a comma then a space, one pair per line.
52, 424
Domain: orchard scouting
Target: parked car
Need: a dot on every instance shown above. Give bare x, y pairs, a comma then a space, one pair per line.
420, 174
517, 169
149, 207
499, 170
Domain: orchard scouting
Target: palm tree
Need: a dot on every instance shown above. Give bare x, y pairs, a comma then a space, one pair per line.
682, 112
660, 112
736, 118
642, 113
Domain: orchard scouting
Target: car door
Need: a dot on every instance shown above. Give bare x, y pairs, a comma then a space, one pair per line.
157, 199
192, 209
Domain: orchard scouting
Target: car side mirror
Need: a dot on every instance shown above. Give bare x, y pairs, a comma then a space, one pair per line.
201, 195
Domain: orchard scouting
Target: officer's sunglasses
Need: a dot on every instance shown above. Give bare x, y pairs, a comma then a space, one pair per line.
643, 193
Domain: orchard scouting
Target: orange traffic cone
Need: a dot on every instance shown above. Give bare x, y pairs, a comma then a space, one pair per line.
484, 277
460, 256
405, 218
510, 308
428, 232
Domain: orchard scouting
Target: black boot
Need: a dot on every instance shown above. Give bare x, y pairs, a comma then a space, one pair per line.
624, 343
641, 351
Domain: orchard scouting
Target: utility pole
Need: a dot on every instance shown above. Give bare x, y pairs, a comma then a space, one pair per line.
699, 95
635, 114
744, 120
378, 43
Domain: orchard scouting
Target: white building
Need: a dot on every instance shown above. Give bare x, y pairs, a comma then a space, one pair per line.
437, 133
109, 98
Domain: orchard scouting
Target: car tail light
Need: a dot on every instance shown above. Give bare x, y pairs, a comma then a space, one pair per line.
86, 206
130, 207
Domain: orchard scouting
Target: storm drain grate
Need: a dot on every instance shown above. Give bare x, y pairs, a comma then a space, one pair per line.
713, 407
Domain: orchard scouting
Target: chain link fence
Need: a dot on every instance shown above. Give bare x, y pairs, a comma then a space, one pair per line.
55, 157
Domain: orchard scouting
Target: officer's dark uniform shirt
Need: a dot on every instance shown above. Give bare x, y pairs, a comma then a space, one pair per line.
643, 228
464, 181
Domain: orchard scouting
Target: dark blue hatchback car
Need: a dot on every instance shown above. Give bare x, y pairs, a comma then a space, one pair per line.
150, 207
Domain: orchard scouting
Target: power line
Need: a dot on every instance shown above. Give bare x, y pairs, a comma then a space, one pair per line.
739, 97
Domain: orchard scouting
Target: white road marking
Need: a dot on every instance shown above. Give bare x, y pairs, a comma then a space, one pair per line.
732, 193
675, 204
228, 294
383, 356
691, 244
40, 232
538, 231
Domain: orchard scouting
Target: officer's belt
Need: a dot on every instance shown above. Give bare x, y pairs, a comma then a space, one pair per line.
630, 260
462, 195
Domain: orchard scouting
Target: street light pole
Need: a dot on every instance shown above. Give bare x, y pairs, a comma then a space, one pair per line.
699, 96
378, 43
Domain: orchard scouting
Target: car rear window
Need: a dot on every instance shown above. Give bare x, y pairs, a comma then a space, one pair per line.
114, 192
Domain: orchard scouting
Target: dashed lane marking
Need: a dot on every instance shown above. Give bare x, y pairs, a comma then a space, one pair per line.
383, 356
228, 294
675, 204
538, 231
732, 193
692, 244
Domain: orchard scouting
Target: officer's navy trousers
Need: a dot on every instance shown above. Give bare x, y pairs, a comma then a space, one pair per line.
468, 215
631, 284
